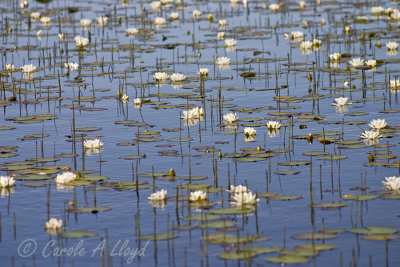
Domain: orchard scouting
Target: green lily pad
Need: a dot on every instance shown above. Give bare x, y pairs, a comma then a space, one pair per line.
380, 237
285, 197
89, 209
166, 236
130, 157
332, 157
328, 205
231, 211
287, 172
319, 247
359, 197
202, 217
314, 236
199, 186
94, 177
249, 159
88, 129
33, 177
78, 234
294, 163
217, 224
315, 153
286, 259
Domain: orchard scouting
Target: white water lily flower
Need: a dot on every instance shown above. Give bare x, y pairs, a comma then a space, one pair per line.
102, 21
273, 125
174, 15
137, 101
388, 11
392, 183
296, 35
230, 42
160, 76
378, 124
131, 31
6, 181
238, 189
197, 196
85, 23
334, 57
245, 198
35, 16
96, 143
395, 84
155, 5
71, 65
60, 36
193, 113
306, 45
81, 41
203, 72
370, 135
249, 131
304, 23
395, 14
346, 84
371, 63
65, 177
24, 4
356, 62
392, 52
159, 21
223, 61
28, 68
159, 195
196, 14
45, 20
221, 35
10, 67
222, 23
274, 7
53, 224
177, 77
392, 45
347, 29
302, 5
317, 43
341, 101
230, 118
125, 98
377, 9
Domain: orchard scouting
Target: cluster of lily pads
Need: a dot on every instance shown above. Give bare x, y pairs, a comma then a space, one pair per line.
217, 62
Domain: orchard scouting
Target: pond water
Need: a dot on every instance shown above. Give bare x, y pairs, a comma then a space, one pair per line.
321, 200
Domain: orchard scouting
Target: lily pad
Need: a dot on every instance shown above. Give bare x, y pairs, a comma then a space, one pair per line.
78, 234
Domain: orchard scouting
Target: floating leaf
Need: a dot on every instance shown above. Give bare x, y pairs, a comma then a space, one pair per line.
167, 236
88, 209
314, 236
286, 259
78, 234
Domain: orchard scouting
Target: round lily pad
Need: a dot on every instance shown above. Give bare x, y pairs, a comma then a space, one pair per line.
88, 209
78, 234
